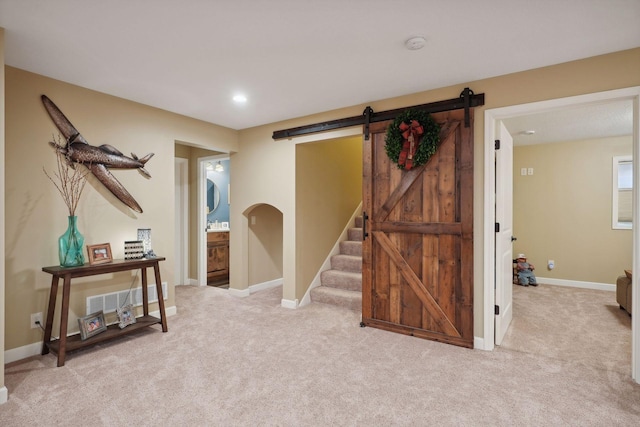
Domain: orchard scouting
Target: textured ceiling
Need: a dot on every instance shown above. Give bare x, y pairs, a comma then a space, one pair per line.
297, 57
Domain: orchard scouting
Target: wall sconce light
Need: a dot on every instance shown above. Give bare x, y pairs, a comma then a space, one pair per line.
219, 167
209, 166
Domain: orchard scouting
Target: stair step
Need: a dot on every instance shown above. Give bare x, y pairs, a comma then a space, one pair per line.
347, 263
346, 280
350, 247
359, 222
339, 297
355, 234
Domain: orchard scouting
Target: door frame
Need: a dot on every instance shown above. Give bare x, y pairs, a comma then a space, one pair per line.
201, 189
182, 220
489, 279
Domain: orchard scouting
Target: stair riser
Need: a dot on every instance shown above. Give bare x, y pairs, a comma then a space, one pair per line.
337, 279
346, 263
352, 301
355, 234
351, 248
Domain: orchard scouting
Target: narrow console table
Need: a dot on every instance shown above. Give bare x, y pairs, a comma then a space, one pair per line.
65, 343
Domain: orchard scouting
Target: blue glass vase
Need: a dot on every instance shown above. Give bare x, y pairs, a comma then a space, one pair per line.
71, 245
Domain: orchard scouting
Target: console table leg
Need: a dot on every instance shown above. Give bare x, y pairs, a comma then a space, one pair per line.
163, 316
64, 320
145, 292
53, 294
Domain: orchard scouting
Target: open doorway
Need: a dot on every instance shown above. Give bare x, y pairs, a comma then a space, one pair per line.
562, 207
213, 219
492, 275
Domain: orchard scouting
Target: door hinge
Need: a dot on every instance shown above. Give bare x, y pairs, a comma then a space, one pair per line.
497, 309
497, 227
497, 144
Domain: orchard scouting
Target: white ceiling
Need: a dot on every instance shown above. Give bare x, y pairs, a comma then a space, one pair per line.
600, 120
297, 57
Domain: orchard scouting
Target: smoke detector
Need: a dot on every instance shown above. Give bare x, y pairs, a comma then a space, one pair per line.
415, 43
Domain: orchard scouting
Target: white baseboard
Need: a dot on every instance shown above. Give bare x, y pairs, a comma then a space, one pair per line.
287, 303
35, 348
169, 311
479, 344
22, 352
240, 293
4, 395
266, 285
577, 284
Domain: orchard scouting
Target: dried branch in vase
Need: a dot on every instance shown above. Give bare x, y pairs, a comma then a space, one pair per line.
69, 179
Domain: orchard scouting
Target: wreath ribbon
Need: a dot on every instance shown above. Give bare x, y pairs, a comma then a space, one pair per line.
411, 139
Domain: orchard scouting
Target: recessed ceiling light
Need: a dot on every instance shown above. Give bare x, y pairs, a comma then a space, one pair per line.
415, 43
240, 99
528, 132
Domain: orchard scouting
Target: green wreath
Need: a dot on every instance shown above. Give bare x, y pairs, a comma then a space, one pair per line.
427, 145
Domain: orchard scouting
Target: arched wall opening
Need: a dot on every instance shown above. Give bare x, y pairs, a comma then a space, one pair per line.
264, 246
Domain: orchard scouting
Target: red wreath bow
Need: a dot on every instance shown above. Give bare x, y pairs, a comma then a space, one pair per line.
411, 134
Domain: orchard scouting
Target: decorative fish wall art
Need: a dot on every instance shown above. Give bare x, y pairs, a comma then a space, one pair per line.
97, 159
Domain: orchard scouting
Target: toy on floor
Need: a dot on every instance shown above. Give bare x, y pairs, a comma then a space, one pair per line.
525, 272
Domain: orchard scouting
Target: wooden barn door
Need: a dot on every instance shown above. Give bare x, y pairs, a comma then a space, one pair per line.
418, 256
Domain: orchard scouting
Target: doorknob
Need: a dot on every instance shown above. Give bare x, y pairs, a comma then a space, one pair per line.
513, 238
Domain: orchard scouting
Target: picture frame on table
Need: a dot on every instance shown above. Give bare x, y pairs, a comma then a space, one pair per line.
126, 316
133, 249
99, 254
92, 324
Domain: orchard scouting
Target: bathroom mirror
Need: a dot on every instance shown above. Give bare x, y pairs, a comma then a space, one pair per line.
213, 196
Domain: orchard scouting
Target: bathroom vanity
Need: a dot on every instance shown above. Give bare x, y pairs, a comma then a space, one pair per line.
217, 258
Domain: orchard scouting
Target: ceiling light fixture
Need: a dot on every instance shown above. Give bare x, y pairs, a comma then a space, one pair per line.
240, 99
415, 43
528, 132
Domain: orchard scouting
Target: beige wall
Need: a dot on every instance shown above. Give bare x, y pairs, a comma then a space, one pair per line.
264, 169
264, 244
328, 191
563, 211
36, 215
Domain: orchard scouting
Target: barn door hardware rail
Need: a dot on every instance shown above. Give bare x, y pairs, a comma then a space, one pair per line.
466, 100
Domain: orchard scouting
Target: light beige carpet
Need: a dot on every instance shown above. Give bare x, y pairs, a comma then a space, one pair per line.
250, 362
579, 325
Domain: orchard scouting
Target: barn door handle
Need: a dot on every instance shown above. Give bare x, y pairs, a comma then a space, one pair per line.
513, 238
365, 217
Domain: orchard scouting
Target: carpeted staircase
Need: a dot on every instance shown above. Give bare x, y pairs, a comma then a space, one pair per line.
342, 284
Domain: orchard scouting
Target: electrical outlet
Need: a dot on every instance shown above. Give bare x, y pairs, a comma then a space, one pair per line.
36, 317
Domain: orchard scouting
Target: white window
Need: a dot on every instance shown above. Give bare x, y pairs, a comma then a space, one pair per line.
622, 215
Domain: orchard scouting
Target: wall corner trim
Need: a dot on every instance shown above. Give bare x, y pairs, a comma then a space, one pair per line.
240, 293
4, 395
287, 303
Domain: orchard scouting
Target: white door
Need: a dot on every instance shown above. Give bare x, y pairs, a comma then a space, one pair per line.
504, 217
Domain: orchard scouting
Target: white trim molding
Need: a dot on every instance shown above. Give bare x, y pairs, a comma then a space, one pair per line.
287, 303
577, 284
266, 285
4, 395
